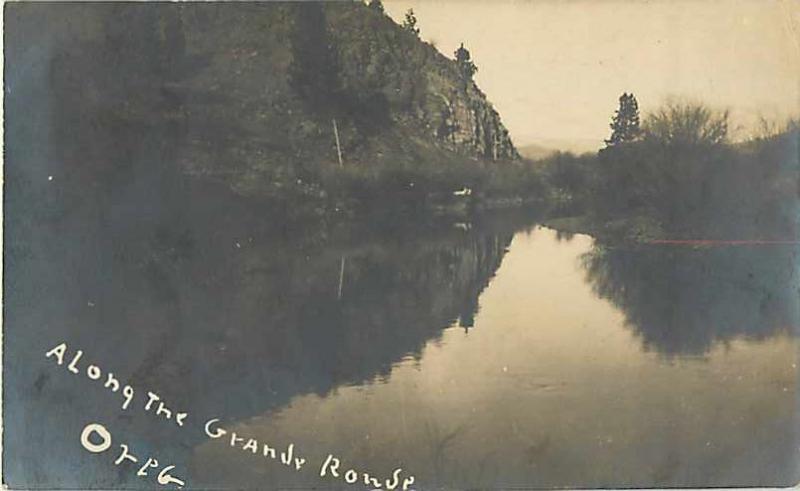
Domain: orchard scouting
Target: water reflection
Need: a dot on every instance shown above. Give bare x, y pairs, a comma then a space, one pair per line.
352, 340
219, 311
549, 389
683, 300
475, 356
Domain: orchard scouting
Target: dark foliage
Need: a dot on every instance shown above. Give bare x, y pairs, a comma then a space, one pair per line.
410, 22
464, 62
376, 5
313, 73
625, 122
685, 182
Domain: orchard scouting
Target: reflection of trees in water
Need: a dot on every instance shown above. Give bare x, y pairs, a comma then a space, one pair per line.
218, 304
564, 236
200, 297
185, 289
683, 301
297, 321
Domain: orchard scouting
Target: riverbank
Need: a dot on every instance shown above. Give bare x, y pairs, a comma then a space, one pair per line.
628, 229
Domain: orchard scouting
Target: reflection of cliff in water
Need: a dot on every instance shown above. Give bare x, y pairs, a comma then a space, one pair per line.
291, 321
685, 300
182, 289
220, 305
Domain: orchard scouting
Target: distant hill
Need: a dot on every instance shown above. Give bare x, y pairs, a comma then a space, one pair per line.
545, 147
536, 152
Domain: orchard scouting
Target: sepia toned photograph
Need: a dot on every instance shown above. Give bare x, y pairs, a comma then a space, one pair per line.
401, 245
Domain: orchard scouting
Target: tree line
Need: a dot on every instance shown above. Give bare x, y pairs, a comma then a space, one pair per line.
676, 172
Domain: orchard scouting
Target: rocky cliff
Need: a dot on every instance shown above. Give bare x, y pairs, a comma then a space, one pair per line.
247, 93
423, 87
287, 71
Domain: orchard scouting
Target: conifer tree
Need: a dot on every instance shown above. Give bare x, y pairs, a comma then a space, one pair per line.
410, 22
625, 124
464, 62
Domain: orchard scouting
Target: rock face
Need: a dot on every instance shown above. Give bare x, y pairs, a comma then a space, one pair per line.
465, 120
247, 92
468, 120
421, 85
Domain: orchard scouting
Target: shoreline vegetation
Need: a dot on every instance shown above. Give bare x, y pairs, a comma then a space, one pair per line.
676, 177
320, 113
672, 174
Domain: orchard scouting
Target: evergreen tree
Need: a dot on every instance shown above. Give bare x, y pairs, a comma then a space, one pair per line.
464, 62
625, 122
410, 23
376, 5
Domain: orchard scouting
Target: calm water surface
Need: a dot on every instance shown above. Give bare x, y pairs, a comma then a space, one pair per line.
552, 386
486, 354
476, 355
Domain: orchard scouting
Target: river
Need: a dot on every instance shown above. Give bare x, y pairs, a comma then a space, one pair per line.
496, 353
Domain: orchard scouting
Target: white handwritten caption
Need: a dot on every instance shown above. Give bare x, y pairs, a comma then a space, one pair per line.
112, 383
330, 468
96, 429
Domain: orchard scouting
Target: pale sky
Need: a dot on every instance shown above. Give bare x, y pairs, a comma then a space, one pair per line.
554, 69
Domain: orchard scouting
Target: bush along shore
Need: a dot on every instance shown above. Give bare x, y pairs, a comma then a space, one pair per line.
331, 111
678, 177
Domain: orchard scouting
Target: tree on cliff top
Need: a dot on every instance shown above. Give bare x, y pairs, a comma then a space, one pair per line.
410, 22
625, 125
464, 61
376, 5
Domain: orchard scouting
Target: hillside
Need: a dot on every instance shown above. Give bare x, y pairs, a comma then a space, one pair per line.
246, 94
